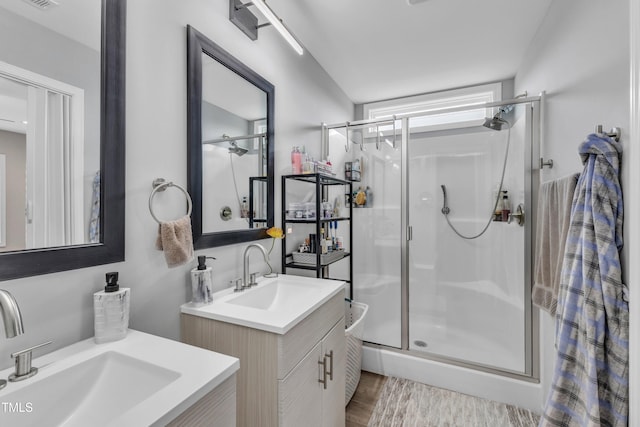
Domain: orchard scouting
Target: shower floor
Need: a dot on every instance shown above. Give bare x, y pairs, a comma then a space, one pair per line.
427, 336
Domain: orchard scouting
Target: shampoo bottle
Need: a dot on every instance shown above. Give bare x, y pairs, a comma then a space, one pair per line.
201, 282
244, 208
111, 311
506, 207
296, 161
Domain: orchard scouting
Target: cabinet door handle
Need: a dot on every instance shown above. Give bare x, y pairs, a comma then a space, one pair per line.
323, 381
330, 356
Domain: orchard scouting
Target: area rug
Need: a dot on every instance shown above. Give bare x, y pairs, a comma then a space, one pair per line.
404, 403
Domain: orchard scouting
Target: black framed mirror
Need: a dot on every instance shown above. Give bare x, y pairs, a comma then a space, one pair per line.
106, 242
230, 120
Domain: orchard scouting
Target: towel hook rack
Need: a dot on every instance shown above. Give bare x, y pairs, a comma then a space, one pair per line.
160, 184
614, 133
548, 163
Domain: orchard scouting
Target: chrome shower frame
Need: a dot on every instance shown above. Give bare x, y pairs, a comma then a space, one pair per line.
532, 177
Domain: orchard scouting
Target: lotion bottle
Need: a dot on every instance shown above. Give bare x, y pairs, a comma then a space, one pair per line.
111, 311
506, 207
201, 282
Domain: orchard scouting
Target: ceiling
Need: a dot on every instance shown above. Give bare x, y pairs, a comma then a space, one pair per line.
382, 49
75, 19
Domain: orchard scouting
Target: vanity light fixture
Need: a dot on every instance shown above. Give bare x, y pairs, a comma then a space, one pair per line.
248, 23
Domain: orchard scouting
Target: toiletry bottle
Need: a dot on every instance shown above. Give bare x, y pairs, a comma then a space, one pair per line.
296, 161
323, 242
497, 216
307, 164
244, 208
293, 159
369, 194
111, 311
506, 207
202, 282
313, 244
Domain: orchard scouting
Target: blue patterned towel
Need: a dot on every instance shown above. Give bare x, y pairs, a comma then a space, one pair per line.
591, 380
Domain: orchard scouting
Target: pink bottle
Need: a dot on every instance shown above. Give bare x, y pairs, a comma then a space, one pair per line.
296, 161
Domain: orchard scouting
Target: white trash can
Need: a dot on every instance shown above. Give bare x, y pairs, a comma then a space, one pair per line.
354, 315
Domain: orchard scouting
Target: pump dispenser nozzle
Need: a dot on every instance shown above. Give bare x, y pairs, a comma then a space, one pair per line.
112, 282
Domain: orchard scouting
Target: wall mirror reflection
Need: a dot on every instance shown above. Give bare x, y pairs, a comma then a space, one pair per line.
234, 143
230, 146
62, 140
50, 125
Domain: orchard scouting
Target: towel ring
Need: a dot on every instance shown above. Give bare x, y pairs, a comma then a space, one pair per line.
159, 184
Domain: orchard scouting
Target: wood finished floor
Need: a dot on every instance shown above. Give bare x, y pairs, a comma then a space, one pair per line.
393, 402
364, 399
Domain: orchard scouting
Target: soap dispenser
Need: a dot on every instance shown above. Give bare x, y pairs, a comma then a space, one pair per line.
111, 311
201, 282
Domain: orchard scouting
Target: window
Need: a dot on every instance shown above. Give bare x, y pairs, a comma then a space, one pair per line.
431, 103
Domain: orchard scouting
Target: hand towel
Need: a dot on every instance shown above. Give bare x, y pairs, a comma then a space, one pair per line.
176, 240
554, 211
590, 384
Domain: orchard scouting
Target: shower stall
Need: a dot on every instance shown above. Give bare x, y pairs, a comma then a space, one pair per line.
447, 280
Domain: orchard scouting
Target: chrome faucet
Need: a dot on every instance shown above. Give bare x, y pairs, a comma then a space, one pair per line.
245, 271
12, 319
10, 315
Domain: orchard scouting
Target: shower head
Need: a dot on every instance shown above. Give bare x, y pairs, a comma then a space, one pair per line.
494, 123
497, 122
234, 149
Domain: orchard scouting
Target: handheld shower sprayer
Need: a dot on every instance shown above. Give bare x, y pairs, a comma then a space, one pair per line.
445, 209
496, 123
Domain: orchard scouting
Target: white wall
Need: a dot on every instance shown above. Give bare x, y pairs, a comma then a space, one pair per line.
59, 306
580, 57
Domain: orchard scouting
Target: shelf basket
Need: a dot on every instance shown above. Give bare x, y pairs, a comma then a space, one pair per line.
308, 258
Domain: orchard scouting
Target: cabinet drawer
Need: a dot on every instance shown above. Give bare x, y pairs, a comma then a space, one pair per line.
303, 337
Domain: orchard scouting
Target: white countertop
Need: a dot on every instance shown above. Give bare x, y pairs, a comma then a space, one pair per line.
198, 371
286, 310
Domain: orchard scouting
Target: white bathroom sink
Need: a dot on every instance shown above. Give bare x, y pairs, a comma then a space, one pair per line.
129, 382
276, 295
274, 305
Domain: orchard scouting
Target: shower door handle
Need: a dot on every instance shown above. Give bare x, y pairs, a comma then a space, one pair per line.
409, 233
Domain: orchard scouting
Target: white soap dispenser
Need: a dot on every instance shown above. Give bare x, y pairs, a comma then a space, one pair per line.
111, 311
202, 282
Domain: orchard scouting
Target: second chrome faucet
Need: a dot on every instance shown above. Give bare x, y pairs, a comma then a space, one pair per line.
246, 281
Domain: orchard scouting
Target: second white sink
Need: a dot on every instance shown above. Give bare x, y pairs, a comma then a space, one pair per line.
274, 305
142, 380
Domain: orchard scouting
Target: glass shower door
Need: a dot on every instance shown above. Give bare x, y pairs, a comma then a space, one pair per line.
467, 295
377, 276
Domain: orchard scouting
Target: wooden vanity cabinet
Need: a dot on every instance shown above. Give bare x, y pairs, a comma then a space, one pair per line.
279, 381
